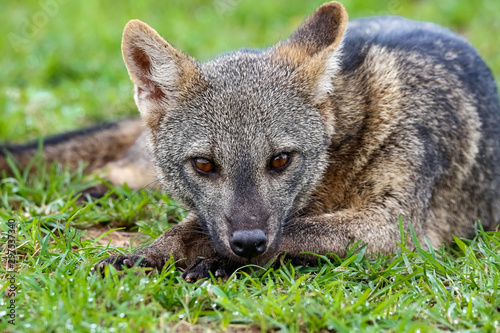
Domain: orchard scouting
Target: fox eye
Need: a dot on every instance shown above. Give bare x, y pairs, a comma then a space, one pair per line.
280, 161
203, 166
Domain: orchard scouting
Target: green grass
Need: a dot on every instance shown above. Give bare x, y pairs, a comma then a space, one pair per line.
67, 72
453, 289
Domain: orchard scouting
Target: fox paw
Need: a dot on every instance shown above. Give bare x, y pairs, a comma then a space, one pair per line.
201, 268
121, 262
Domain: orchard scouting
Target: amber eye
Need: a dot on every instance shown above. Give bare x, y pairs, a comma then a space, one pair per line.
279, 162
203, 165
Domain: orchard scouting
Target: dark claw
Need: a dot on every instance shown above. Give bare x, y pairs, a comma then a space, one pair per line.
128, 263
201, 268
191, 277
120, 262
221, 273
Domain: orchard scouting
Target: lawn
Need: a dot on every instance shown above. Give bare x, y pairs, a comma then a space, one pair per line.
62, 69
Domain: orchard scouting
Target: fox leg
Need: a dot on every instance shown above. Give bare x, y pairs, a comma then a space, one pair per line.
332, 233
186, 242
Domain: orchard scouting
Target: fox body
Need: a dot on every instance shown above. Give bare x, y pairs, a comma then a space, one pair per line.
324, 139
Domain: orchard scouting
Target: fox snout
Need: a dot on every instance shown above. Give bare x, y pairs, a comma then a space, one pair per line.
248, 230
248, 243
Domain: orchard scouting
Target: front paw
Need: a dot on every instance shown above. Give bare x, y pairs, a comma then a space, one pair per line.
202, 267
121, 262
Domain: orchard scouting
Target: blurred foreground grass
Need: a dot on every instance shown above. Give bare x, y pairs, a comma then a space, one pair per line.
61, 60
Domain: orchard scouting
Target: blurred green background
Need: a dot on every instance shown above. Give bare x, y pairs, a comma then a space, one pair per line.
61, 65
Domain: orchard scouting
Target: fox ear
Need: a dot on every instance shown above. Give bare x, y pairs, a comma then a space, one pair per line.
314, 48
159, 71
321, 31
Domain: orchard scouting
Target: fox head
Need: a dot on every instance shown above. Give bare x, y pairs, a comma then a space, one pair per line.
241, 140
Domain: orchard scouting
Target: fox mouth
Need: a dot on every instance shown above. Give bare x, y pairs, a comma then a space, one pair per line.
243, 245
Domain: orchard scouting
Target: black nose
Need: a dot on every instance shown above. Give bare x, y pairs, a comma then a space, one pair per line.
248, 243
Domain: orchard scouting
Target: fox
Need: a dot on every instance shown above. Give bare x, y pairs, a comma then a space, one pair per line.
327, 138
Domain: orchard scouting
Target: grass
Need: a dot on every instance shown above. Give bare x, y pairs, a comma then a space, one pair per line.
453, 289
66, 71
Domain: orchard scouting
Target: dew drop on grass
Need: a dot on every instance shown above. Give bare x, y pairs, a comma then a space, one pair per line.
122, 315
27, 325
112, 329
122, 325
21, 316
181, 316
71, 280
235, 313
91, 299
52, 293
54, 308
455, 322
2, 313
